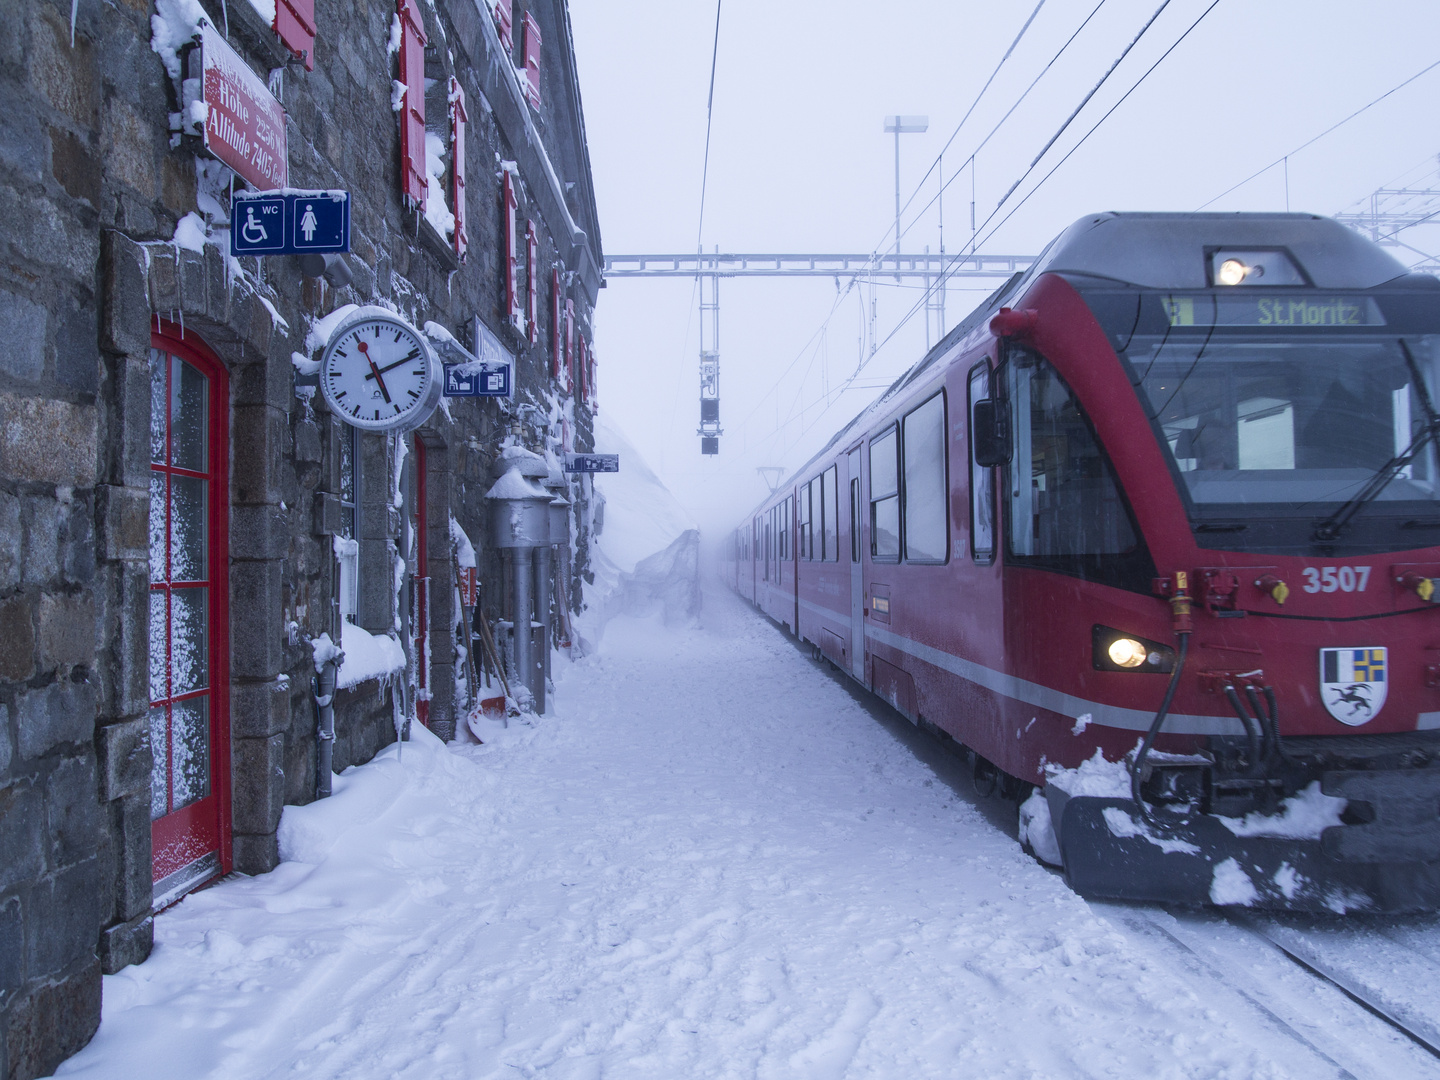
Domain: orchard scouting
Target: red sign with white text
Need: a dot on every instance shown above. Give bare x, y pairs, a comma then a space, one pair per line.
244, 124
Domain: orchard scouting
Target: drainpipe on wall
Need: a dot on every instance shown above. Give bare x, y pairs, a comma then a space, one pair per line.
324, 686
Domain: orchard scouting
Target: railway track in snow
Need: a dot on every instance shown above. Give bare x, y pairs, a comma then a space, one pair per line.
1362, 999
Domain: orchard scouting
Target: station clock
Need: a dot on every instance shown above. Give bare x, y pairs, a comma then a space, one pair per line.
378, 372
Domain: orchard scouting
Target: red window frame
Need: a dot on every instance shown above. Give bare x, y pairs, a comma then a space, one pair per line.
531, 83
414, 184
295, 25
181, 836
557, 349
580, 366
504, 25
458, 119
532, 281
569, 345
511, 240
590, 379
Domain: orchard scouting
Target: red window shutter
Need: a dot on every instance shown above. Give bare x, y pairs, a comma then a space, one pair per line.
531, 86
570, 345
557, 351
412, 109
580, 367
532, 280
458, 119
590, 380
503, 24
512, 243
295, 23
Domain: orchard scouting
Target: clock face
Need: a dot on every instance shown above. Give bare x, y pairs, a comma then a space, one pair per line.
377, 373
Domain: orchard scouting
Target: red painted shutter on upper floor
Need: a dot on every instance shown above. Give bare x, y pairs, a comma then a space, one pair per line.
557, 350
580, 366
511, 241
531, 85
412, 110
458, 119
295, 23
532, 282
569, 345
503, 23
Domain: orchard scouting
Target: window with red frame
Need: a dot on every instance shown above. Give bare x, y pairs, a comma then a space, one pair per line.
412, 107
458, 119
504, 20
295, 25
580, 366
511, 240
569, 345
557, 349
531, 85
532, 281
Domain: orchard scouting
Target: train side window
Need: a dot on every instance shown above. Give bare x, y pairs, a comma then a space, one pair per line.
1066, 510
830, 515
982, 480
884, 499
787, 515
804, 528
854, 462
927, 516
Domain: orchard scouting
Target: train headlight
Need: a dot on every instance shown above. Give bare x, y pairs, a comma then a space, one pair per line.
1231, 272
1126, 652
1115, 650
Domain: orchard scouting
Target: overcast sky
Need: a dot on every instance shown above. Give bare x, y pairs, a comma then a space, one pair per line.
799, 163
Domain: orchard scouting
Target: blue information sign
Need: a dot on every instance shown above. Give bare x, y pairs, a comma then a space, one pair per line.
477, 379
290, 223
578, 463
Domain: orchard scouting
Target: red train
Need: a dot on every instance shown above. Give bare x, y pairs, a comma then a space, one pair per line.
1171, 495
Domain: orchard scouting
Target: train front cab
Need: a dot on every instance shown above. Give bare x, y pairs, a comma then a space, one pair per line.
1241, 482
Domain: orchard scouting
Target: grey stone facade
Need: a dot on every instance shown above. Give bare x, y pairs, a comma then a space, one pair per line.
93, 187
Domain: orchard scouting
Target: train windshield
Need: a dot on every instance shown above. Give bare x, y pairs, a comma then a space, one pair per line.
1275, 429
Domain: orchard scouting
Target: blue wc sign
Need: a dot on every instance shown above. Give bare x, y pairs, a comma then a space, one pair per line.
289, 222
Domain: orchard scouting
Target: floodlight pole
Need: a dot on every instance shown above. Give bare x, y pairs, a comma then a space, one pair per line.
902, 125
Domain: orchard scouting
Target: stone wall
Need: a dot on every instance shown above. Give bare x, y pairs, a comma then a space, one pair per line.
92, 186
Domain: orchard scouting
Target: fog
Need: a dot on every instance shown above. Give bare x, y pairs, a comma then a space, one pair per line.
799, 162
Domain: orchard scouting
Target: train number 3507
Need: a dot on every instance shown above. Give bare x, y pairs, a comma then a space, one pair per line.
1336, 579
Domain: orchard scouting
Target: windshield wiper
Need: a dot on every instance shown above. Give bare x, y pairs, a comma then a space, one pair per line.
1330, 529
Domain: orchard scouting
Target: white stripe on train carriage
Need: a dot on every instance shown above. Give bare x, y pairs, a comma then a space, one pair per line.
1057, 701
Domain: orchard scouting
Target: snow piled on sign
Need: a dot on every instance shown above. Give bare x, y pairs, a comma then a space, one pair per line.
646, 551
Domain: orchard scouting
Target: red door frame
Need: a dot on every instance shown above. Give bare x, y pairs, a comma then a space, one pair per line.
209, 819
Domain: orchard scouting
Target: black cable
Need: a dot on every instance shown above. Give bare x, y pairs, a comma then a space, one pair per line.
1317, 138
709, 116
1139, 763
1252, 731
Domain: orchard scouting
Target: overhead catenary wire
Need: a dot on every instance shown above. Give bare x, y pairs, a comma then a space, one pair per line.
945, 275
1081, 142
1310, 142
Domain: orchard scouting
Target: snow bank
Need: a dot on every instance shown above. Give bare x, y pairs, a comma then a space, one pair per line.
367, 656
646, 554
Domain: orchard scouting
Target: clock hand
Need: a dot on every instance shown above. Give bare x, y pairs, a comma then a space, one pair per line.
403, 360
375, 371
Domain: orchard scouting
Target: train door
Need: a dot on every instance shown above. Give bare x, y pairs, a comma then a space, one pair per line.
857, 578
792, 514
189, 621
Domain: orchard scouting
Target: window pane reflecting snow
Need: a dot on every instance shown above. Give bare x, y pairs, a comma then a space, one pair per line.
188, 646
190, 751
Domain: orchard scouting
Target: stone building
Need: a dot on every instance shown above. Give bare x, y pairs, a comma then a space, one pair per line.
185, 525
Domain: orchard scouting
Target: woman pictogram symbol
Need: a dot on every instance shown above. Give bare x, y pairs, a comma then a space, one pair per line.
308, 224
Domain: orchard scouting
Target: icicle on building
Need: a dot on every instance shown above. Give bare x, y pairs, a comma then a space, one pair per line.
192, 520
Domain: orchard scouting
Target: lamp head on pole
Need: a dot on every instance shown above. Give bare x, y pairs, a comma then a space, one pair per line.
906, 125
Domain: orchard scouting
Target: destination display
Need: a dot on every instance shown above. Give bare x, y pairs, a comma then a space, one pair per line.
1278, 312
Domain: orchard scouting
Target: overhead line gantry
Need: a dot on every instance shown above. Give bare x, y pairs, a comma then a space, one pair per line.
935, 270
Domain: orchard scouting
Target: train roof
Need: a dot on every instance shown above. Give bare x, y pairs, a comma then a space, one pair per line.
1159, 251
1169, 251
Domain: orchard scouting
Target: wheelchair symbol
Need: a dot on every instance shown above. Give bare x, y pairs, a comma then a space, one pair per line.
253, 231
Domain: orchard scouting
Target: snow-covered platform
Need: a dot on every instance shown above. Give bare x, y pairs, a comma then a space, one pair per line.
711, 861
